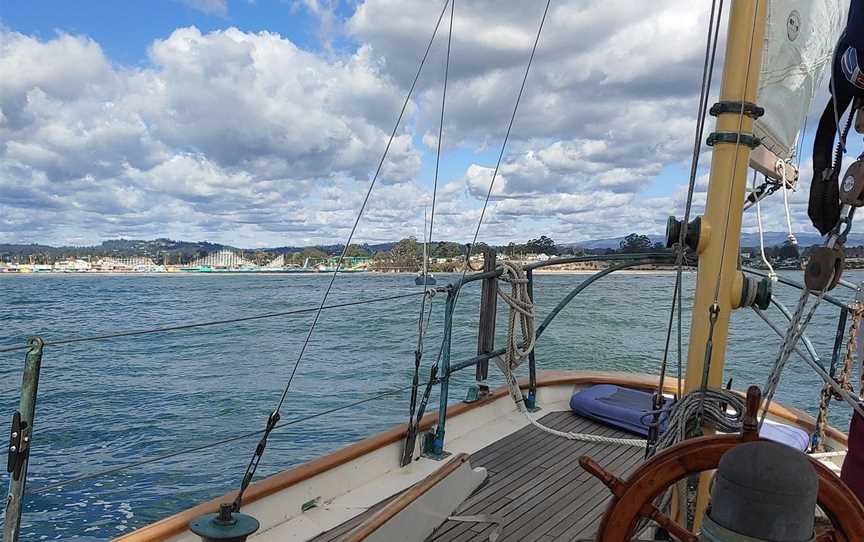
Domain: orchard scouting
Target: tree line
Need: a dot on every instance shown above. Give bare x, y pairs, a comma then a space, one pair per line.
404, 254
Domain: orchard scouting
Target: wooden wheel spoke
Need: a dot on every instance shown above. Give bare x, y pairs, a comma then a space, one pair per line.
680, 533
827, 533
633, 497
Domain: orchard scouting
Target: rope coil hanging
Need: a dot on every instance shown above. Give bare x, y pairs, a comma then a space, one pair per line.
522, 312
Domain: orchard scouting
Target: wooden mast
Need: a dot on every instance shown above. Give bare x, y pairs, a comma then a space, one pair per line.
719, 280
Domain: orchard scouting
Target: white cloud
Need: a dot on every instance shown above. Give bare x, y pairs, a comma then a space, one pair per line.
220, 127
610, 101
244, 137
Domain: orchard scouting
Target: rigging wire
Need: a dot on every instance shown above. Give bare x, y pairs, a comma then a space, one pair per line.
434, 368
504, 143
677, 293
421, 331
274, 416
212, 444
441, 124
179, 327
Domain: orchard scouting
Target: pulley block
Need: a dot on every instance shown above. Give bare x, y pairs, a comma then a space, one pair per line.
852, 186
824, 268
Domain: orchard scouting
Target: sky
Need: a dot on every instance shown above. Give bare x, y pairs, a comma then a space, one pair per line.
260, 123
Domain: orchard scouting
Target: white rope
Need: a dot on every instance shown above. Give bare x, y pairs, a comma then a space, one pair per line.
786, 187
522, 310
771, 273
711, 406
516, 393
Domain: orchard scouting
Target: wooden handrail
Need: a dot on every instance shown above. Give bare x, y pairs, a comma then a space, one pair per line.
389, 511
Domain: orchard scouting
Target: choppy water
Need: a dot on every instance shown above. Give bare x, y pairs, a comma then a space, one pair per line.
109, 403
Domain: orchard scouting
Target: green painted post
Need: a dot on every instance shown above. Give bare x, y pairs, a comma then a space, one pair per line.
531, 400
436, 446
20, 439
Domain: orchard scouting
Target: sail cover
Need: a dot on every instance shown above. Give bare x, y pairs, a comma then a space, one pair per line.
799, 43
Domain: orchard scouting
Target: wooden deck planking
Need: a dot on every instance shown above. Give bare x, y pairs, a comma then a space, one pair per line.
537, 487
525, 521
523, 493
501, 489
533, 489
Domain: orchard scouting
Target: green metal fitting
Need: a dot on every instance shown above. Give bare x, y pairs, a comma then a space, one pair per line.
20, 439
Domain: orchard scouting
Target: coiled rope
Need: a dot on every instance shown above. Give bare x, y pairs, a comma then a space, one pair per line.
522, 311
702, 407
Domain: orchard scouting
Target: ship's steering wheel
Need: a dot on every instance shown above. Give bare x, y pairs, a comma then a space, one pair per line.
634, 497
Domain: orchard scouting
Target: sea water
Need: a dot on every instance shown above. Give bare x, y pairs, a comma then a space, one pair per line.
111, 403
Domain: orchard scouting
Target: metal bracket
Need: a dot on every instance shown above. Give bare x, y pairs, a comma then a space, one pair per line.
749, 140
19, 446
433, 447
739, 108
476, 392
531, 402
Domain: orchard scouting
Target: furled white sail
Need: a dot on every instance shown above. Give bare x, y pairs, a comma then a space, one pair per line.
799, 42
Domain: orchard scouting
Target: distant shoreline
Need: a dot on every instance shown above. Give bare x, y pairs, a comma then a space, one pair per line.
542, 271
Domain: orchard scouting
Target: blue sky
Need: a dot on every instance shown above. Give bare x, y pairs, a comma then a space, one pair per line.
126, 29
159, 108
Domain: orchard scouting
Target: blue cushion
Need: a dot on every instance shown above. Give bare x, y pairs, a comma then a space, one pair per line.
623, 408
630, 410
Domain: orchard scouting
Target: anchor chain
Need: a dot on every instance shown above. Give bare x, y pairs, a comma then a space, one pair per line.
843, 380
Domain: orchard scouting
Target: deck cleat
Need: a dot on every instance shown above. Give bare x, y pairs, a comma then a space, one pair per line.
224, 526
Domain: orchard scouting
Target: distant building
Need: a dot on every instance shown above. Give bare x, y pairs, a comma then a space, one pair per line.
223, 259
127, 265
72, 266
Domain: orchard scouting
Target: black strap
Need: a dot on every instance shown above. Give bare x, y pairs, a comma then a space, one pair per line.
732, 137
739, 108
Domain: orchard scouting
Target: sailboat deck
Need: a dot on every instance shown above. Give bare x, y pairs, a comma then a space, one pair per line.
536, 486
